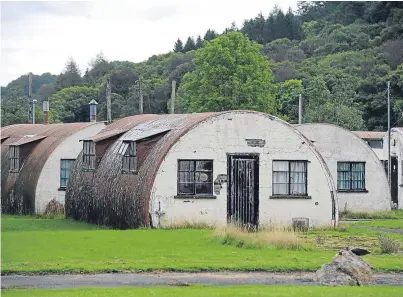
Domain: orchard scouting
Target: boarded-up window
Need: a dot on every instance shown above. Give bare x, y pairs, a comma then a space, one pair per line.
65, 166
14, 158
88, 155
350, 176
129, 161
290, 178
195, 177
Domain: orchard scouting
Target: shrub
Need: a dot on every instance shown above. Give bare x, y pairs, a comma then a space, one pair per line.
388, 245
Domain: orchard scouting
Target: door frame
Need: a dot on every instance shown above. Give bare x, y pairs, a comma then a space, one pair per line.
254, 156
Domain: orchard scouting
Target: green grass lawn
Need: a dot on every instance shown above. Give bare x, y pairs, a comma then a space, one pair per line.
378, 215
389, 224
59, 246
228, 291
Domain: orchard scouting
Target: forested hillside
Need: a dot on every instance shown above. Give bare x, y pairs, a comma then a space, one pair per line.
338, 55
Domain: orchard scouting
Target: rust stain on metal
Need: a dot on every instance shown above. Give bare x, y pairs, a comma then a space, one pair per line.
18, 188
109, 197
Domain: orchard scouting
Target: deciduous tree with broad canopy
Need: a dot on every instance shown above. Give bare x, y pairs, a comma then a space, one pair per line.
230, 73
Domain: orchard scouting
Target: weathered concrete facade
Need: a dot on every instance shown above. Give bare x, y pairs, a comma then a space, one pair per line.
107, 195
48, 187
226, 134
33, 179
338, 145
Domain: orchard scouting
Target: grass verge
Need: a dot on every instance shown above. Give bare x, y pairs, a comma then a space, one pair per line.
225, 291
394, 214
43, 246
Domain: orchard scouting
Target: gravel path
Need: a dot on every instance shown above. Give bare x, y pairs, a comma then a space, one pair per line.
174, 279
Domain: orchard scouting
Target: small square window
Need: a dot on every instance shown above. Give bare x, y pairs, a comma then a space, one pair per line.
195, 177
350, 176
290, 178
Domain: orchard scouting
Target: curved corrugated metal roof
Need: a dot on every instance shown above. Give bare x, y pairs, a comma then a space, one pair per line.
108, 197
370, 134
22, 185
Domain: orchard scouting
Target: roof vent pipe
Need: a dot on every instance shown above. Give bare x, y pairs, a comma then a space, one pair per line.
45, 107
93, 110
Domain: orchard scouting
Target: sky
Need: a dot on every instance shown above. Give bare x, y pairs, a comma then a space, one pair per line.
39, 36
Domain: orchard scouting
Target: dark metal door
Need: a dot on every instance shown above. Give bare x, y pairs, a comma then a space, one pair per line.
393, 179
243, 189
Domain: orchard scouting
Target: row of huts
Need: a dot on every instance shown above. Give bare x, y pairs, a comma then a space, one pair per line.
155, 170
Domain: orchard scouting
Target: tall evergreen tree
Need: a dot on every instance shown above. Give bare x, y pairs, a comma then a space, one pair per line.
71, 75
190, 45
178, 47
199, 42
210, 35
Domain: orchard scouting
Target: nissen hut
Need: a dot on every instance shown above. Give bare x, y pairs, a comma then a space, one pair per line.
35, 164
236, 166
362, 185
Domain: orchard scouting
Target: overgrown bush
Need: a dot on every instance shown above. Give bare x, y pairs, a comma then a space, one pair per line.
388, 244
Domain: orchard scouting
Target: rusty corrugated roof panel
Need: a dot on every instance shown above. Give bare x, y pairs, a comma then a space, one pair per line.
105, 135
108, 197
23, 184
154, 127
27, 139
370, 134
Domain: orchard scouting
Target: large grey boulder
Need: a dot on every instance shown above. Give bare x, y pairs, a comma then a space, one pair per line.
347, 269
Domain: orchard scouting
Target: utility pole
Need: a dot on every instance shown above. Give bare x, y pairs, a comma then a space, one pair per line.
300, 110
389, 158
141, 96
108, 100
30, 97
33, 110
173, 96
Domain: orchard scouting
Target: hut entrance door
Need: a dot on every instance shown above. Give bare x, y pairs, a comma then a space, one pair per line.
243, 189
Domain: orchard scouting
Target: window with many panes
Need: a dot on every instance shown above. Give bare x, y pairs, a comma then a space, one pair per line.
65, 166
350, 176
129, 161
88, 155
195, 177
14, 158
290, 178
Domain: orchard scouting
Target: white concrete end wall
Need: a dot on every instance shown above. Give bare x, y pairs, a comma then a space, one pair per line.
49, 179
226, 133
337, 144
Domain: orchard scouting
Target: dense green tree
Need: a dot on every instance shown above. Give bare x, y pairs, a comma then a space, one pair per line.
70, 77
199, 42
190, 45
210, 35
288, 99
71, 104
14, 108
230, 74
178, 47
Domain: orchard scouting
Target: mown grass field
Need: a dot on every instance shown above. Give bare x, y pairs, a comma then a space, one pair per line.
226, 291
32, 245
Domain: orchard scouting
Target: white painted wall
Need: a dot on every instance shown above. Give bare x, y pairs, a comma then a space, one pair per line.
216, 137
337, 144
49, 179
